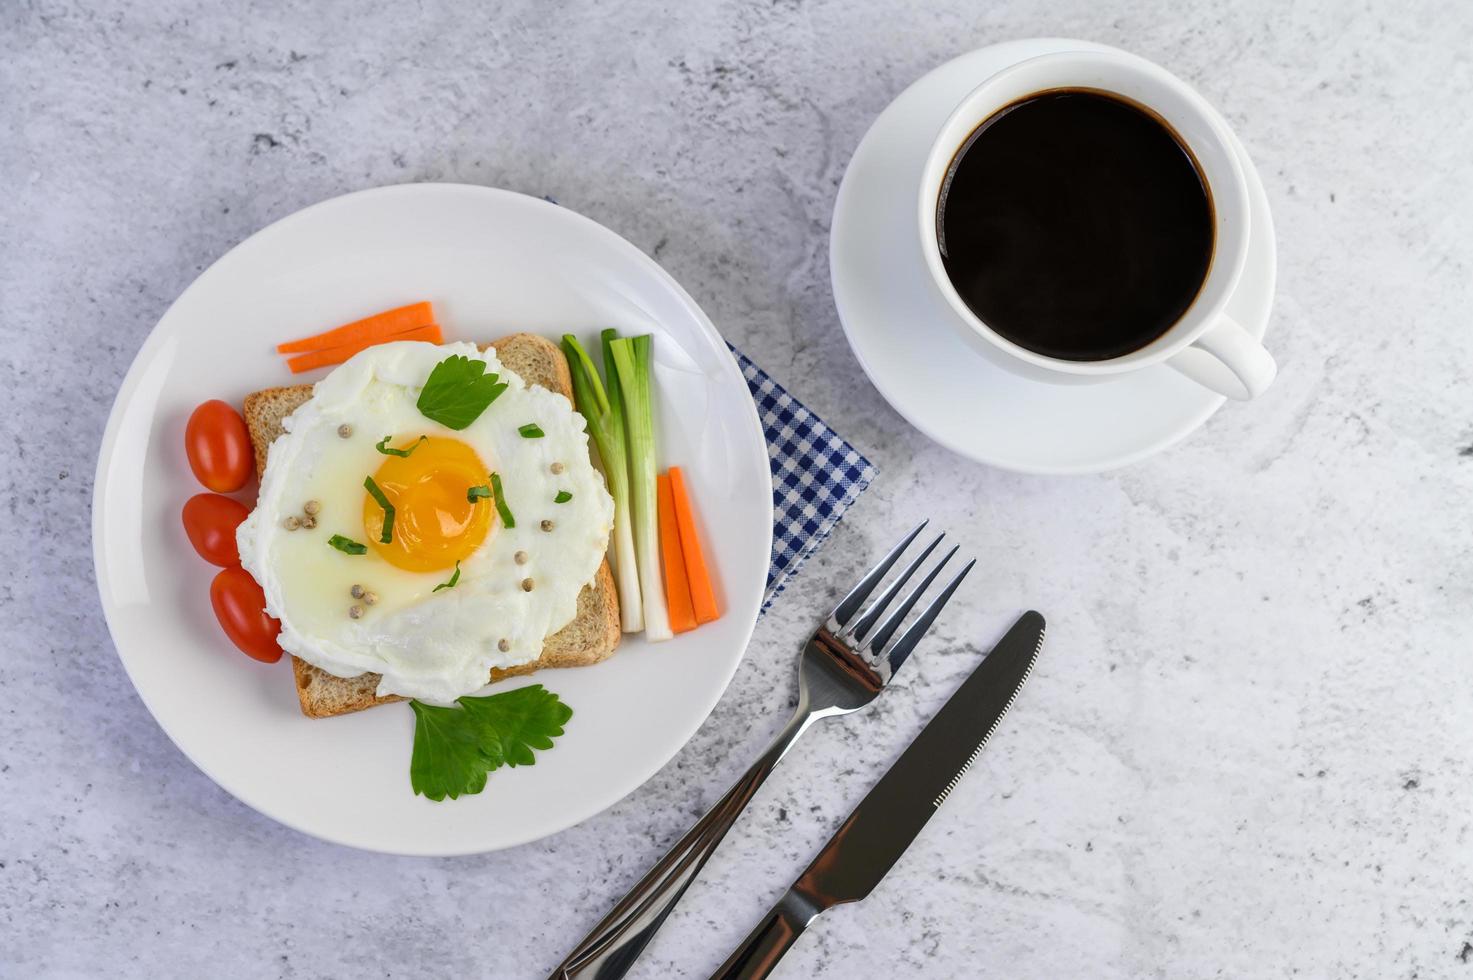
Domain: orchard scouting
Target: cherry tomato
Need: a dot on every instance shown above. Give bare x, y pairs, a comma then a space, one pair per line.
240, 605
218, 445
210, 521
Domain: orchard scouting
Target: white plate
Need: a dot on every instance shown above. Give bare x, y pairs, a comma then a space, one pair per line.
896, 322
493, 263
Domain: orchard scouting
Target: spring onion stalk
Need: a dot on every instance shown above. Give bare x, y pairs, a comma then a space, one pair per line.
626, 567
631, 357
607, 428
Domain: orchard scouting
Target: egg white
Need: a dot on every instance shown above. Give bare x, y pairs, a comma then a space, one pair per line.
431, 645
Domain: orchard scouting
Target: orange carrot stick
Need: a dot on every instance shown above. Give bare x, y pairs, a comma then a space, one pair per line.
702, 594
337, 355
677, 589
369, 328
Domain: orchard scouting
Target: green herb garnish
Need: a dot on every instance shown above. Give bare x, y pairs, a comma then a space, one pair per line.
383, 446
501, 507
531, 431
520, 721
562, 497
451, 583
448, 759
477, 493
457, 391
347, 545
378, 495
455, 748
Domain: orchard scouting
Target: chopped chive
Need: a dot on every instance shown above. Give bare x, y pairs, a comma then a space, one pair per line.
477, 493
450, 584
347, 545
500, 495
531, 431
383, 446
562, 497
378, 495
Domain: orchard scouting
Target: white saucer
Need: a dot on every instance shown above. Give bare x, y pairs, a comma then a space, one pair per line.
896, 323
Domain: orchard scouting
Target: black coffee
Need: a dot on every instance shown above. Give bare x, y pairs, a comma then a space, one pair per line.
1075, 224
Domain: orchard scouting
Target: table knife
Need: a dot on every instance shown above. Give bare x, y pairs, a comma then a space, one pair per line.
879, 830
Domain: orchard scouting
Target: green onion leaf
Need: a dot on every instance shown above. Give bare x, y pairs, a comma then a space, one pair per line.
477, 493
347, 545
378, 495
531, 431
453, 579
383, 446
562, 497
501, 508
606, 340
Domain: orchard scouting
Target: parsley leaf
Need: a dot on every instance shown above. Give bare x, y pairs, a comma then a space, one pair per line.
448, 759
457, 391
347, 545
383, 446
453, 579
531, 431
515, 723
378, 495
562, 497
481, 492
455, 748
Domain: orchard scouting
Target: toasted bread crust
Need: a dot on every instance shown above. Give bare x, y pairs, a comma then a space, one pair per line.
591, 637
264, 412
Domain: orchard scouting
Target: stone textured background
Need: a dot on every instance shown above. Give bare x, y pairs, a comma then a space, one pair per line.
1248, 748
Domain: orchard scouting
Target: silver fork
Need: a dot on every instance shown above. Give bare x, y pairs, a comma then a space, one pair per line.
843, 667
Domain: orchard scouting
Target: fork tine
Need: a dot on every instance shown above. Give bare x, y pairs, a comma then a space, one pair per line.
892, 622
908, 640
877, 609
850, 604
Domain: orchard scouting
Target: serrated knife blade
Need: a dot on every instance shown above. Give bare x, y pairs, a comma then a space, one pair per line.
890, 817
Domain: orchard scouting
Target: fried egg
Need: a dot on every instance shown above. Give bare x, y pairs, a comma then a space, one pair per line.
457, 589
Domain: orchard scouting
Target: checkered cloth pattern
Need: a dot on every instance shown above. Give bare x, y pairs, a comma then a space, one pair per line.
816, 475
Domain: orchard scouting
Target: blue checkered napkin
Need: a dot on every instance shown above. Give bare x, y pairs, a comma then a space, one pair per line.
816, 475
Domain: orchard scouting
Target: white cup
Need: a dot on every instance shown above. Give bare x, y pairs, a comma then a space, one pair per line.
1205, 343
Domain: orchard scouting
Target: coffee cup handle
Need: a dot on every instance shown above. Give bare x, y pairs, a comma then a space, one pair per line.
1228, 360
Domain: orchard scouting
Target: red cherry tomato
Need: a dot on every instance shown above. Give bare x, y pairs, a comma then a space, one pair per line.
219, 447
210, 521
240, 605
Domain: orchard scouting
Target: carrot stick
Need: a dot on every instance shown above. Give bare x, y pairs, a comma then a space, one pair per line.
677, 589
703, 596
337, 355
379, 325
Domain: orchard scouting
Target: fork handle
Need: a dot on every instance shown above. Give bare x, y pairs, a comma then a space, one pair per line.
611, 948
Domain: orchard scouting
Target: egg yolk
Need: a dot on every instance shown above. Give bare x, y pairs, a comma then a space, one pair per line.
435, 525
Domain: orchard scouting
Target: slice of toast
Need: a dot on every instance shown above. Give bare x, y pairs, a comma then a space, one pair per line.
592, 636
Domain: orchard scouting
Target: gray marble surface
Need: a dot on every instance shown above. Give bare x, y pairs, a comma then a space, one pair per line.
1248, 748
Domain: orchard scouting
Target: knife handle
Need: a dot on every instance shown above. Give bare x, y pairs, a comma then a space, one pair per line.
774, 936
